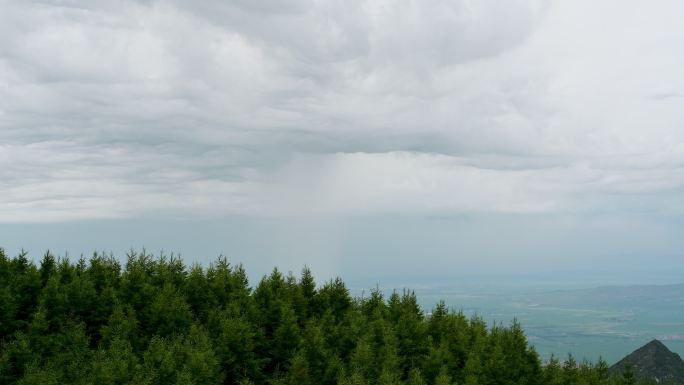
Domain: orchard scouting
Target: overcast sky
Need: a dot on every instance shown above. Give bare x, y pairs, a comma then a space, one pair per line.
433, 135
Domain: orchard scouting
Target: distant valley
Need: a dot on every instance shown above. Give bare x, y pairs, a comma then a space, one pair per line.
606, 321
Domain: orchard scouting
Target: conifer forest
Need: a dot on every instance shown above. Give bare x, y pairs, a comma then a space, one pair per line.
154, 320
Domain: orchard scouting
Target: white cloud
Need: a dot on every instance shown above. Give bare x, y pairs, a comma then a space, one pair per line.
345, 107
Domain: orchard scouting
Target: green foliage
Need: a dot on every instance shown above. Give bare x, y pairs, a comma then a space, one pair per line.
415, 377
628, 375
155, 321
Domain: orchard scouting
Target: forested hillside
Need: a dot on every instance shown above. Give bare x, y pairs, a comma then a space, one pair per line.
156, 321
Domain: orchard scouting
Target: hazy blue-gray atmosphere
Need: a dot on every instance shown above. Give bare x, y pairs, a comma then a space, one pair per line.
394, 143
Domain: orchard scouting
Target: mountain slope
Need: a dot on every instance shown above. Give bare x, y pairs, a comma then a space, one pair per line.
653, 360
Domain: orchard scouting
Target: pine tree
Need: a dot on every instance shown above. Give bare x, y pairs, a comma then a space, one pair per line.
415, 377
114, 364
628, 375
299, 373
443, 378
199, 363
553, 373
286, 338
169, 313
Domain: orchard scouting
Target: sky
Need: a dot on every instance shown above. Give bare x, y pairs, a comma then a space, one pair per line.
377, 140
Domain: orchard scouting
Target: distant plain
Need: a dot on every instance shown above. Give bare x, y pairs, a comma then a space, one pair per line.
608, 321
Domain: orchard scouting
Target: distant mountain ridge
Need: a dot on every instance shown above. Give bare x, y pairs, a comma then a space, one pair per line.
653, 361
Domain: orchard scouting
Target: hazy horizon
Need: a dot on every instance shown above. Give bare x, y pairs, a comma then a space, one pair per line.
358, 254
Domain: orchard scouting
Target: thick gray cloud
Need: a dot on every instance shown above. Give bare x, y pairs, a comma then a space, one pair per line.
304, 108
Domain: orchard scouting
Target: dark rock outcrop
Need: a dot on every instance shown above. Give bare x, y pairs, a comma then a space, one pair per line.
653, 361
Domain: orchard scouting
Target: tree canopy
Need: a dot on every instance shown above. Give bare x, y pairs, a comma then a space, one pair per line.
154, 320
